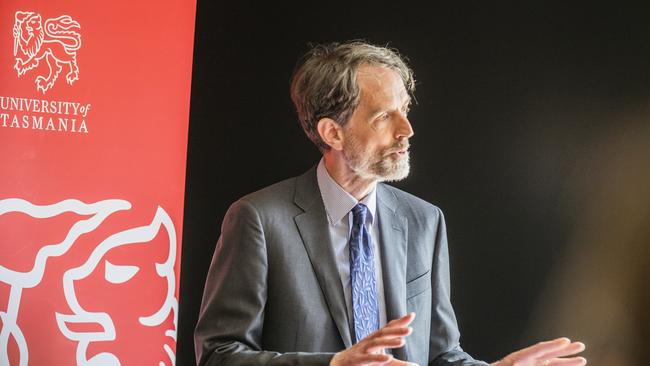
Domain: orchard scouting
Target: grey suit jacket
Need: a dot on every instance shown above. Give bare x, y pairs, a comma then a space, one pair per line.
273, 295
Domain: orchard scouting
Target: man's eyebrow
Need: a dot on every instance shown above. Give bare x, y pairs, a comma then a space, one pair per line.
374, 112
377, 110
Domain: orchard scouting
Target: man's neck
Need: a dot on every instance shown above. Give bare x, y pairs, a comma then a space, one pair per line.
352, 183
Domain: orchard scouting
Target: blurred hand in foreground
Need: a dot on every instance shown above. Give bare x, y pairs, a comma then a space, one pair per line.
550, 353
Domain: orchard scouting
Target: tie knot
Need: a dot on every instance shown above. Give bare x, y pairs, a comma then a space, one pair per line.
359, 212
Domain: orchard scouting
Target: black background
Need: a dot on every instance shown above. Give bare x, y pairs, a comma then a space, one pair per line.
508, 98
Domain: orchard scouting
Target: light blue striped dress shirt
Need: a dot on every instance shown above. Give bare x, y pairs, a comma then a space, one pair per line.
338, 205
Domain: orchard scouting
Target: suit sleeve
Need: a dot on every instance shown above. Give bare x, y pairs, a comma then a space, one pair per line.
230, 325
444, 328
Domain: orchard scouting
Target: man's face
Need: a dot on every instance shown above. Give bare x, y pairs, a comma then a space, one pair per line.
375, 142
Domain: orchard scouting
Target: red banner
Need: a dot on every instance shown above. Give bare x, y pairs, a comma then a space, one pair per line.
94, 106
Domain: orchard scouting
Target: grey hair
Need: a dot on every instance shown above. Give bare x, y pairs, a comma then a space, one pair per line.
324, 84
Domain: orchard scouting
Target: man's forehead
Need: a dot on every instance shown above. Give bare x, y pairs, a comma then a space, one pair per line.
376, 73
374, 79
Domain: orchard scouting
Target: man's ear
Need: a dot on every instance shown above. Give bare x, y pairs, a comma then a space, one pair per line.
331, 132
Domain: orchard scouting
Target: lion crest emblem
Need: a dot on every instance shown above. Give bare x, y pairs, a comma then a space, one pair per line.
55, 42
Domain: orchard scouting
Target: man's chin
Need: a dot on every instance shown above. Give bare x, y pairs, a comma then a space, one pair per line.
395, 177
389, 169
398, 171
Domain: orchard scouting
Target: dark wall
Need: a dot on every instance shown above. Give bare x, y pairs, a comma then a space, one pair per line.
509, 99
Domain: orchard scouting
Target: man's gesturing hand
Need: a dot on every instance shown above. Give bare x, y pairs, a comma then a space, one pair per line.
370, 350
549, 353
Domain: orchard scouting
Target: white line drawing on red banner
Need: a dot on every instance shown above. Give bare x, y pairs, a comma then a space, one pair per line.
120, 274
57, 41
116, 274
22, 280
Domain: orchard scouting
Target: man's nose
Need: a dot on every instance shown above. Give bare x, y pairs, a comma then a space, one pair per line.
404, 129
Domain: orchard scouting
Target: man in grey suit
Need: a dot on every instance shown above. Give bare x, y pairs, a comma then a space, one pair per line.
335, 267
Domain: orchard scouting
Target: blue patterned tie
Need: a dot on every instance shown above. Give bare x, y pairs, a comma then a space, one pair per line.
365, 308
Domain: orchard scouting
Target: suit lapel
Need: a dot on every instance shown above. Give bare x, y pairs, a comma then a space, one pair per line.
392, 245
314, 231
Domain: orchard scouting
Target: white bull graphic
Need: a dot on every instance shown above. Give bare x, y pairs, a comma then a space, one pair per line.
115, 274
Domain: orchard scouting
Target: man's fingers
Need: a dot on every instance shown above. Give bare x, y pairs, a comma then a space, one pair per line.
543, 348
390, 336
379, 344
391, 332
570, 349
403, 321
396, 362
396, 327
549, 353
371, 358
573, 361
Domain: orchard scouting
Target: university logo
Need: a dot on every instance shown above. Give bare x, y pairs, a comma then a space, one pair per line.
54, 42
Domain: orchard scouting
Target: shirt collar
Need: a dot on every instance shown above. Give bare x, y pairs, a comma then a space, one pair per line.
338, 202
